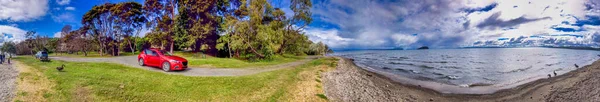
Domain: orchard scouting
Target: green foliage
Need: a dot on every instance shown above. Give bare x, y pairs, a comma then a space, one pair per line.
9, 47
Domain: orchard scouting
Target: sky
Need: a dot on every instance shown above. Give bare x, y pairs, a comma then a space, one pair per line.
379, 24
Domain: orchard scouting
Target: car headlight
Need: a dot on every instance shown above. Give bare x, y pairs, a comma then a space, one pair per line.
174, 61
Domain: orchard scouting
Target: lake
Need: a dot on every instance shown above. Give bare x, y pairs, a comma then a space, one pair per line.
471, 71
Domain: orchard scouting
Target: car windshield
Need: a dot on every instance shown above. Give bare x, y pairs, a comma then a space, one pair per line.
44, 53
166, 53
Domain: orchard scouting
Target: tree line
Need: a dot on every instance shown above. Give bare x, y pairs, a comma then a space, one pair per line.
250, 29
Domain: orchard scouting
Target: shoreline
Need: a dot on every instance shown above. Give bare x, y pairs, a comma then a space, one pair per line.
352, 83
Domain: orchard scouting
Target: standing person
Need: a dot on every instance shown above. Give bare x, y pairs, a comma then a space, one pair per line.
1, 58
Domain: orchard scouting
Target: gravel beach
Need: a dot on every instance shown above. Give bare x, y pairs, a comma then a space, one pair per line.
351, 83
8, 74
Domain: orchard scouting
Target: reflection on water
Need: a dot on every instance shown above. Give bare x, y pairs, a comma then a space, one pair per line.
473, 67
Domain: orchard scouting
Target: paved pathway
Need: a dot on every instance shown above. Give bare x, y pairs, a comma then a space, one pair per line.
132, 61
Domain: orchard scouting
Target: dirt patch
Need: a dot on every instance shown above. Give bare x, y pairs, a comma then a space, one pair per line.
32, 85
82, 94
309, 87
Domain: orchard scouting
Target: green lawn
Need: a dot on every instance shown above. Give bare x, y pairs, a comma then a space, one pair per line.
197, 60
90, 54
114, 82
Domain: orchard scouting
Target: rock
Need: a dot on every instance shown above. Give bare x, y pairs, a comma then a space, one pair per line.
430, 99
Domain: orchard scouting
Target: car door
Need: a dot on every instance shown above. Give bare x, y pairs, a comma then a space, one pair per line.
153, 58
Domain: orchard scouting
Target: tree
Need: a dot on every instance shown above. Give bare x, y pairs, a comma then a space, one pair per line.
130, 20
161, 15
99, 20
63, 44
254, 31
110, 23
9, 47
30, 41
295, 25
197, 24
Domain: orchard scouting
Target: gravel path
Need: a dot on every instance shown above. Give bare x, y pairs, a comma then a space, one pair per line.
132, 61
8, 74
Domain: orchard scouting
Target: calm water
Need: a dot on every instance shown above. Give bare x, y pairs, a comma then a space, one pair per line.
496, 67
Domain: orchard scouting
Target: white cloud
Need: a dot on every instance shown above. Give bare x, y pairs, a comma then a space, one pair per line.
10, 33
64, 18
70, 8
329, 37
57, 34
22, 10
63, 2
403, 40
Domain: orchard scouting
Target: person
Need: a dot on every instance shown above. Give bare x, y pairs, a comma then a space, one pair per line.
1, 58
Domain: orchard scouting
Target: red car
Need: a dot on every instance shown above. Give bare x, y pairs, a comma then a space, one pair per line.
161, 59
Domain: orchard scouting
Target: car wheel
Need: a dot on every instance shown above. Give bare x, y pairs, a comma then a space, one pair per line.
141, 62
166, 66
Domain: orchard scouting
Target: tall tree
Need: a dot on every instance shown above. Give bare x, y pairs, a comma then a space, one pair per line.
9, 47
130, 20
300, 19
161, 15
254, 31
99, 20
30, 41
110, 23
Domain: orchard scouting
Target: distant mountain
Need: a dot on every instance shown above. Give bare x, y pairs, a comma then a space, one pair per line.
423, 48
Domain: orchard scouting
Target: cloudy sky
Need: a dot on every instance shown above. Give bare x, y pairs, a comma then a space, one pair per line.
375, 24
360, 24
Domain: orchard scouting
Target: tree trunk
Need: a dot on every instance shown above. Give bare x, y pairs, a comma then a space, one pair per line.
256, 52
171, 46
229, 47
131, 47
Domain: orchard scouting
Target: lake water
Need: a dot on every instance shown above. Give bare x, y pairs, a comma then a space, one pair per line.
471, 71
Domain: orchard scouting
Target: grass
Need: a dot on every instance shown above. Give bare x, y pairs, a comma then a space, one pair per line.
90, 54
197, 60
82, 81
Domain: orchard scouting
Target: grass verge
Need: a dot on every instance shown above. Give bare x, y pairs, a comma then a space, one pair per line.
113, 82
92, 54
32, 85
198, 60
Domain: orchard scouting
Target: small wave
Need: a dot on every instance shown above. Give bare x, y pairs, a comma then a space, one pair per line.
552, 64
398, 58
477, 62
435, 73
518, 70
453, 67
414, 71
475, 85
432, 61
402, 70
452, 77
425, 66
399, 63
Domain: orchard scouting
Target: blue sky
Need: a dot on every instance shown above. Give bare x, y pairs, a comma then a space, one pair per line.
367, 24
